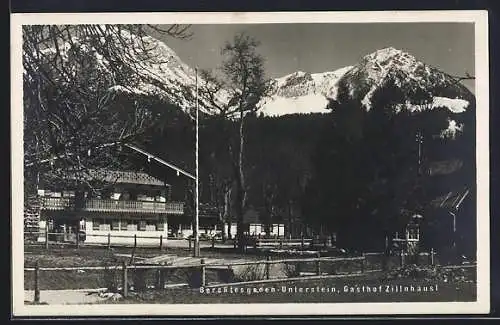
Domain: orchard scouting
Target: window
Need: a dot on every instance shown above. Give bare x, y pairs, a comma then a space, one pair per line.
104, 227
96, 223
68, 193
55, 194
115, 225
124, 224
132, 227
412, 233
101, 224
115, 196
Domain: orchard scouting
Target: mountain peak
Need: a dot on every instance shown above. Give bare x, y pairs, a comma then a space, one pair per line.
390, 67
385, 53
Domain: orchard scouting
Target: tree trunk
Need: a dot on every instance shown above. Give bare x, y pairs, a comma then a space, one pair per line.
227, 211
240, 188
268, 211
229, 235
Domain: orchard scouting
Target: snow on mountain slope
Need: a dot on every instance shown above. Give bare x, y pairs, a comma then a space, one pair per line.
456, 105
301, 93
168, 75
278, 106
163, 73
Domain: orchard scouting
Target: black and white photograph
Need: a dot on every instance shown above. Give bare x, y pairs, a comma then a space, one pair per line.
250, 163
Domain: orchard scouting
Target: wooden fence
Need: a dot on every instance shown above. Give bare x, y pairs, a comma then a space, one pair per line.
201, 271
323, 268
257, 242
73, 240
161, 240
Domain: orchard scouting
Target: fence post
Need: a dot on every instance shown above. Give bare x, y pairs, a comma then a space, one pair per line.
268, 266
109, 240
432, 256
318, 264
203, 275
161, 242
162, 278
37, 283
302, 241
78, 234
298, 268
46, 234
135, 241
125, 279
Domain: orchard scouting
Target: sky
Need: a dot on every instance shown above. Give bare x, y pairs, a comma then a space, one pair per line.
326, 47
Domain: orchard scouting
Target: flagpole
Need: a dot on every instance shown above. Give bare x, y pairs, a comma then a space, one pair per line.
197, 199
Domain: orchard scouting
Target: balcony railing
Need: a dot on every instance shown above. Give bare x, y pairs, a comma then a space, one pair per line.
99, 205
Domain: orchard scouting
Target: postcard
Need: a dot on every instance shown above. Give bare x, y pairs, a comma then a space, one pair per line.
246, 164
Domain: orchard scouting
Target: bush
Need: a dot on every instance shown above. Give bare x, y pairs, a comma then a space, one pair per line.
292, 269
111, 278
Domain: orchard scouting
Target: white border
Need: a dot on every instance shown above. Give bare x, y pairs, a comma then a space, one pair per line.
480, 18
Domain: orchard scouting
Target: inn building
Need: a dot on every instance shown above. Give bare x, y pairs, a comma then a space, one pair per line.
126, 203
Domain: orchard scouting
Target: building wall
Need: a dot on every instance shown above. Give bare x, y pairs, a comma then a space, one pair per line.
259, 229
124, 236
118, 236
233, 229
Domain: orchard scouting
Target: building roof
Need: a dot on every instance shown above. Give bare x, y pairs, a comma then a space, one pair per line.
445, 167
135, 149
161, 161
120, 177
451, 200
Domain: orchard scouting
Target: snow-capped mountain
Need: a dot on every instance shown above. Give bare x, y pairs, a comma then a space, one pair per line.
392, 67
164, 73
158, 70
301, 92
418, 86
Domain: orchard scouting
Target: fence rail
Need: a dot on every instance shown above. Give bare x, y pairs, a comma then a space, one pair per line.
70, 239
61, 238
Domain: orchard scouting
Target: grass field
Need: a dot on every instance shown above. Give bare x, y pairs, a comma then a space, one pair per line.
93, 256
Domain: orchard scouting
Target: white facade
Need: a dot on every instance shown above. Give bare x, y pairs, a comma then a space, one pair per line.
120, 236
123, 237
256, 229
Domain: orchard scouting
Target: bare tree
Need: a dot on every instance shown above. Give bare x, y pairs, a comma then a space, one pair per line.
82, 92
244, 84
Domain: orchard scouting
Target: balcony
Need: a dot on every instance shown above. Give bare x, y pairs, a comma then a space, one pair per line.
99, 205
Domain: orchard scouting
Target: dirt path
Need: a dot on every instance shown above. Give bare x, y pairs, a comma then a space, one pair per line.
65, 297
